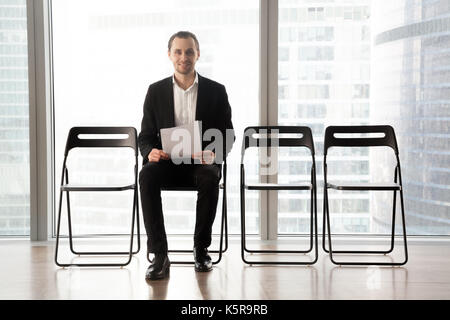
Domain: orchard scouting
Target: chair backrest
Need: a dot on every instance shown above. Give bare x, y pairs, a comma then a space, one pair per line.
306, 139
74, 141
387, 140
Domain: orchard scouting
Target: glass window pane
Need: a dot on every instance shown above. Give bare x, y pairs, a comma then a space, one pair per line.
410, 87
107, 53
371, 62
14, 120
323, 91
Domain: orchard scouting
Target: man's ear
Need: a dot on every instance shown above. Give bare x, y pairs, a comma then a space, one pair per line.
198, 56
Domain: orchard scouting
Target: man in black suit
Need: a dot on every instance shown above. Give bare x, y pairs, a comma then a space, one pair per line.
177, 100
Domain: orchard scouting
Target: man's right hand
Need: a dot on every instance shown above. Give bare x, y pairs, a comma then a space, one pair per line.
156, 155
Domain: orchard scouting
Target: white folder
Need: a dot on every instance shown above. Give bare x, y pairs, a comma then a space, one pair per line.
182, 141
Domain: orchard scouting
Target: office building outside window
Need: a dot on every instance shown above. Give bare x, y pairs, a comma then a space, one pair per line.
324, 79
14, 120
411, 90
368, 62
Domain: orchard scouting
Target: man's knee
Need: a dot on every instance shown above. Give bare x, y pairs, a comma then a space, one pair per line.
208, 175
150, 174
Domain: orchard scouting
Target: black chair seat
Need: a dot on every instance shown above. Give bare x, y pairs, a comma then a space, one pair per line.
281, 186
106, 187
364, 186
184, 188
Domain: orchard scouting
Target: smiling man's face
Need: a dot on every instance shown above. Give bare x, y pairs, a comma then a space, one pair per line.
184, 55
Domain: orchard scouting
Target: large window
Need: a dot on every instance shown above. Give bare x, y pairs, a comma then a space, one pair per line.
14, 121
107, 53
339, 62
411, 90
368, 62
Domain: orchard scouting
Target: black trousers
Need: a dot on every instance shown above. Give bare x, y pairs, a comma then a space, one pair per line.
155, 175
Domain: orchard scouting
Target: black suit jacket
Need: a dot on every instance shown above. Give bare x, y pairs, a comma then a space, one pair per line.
212, 108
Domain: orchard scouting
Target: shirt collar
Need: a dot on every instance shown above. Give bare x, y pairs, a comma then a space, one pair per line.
194, 83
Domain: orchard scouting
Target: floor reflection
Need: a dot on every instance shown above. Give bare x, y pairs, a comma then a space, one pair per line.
279, 282
376, 282
90, 282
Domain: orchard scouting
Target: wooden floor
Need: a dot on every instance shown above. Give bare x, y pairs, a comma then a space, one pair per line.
28, 271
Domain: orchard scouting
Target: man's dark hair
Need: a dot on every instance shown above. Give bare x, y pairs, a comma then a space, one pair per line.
184, 35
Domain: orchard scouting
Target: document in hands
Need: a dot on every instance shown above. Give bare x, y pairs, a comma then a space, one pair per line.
182, 141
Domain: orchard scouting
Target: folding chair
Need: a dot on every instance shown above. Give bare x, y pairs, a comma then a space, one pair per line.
306, 140
388, 140
224, 221
74, 141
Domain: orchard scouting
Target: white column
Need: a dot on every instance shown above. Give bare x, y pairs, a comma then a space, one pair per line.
40, 93
269, 106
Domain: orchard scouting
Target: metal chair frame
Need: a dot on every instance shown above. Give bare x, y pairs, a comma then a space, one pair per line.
389, 140
73, 141
305, 141
223, 226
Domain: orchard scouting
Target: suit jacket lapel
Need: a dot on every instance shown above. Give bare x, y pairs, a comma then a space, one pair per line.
170, 120
200, 99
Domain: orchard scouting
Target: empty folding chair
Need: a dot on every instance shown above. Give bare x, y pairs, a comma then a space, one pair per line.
306, 140
75, 141
388, 140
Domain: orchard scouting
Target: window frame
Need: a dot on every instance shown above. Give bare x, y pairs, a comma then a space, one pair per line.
41, 119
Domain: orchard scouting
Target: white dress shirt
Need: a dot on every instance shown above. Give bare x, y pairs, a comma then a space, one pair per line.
185, 102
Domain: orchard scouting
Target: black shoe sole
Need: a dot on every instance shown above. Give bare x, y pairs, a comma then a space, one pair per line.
203, 270
163, 276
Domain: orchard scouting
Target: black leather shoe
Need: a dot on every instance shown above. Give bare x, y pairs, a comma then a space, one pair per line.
159, 268
202, 259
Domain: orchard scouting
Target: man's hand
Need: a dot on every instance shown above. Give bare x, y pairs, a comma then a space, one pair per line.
206, 157
156, 155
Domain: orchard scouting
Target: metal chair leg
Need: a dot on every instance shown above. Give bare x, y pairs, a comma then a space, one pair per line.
58, 225
130, 253
331, 251
225, 212
369, 251
135, 212
245, 249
